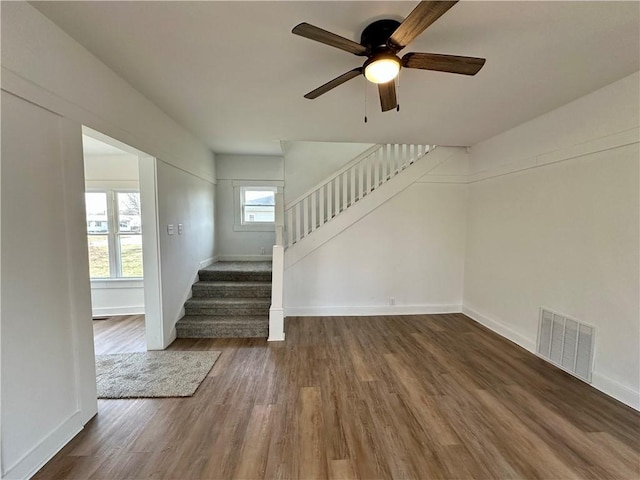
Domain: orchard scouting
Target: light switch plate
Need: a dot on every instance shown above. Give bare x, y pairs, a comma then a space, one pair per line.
170, 229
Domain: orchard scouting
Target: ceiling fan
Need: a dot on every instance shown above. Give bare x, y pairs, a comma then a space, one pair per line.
381, 41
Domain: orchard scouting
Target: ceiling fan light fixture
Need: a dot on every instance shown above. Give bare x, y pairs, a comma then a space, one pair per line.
380, 43
382, 68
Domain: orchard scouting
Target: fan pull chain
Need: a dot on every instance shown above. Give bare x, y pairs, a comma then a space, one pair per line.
365, 100
398, 93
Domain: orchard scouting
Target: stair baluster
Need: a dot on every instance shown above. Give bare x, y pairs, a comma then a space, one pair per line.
349, 185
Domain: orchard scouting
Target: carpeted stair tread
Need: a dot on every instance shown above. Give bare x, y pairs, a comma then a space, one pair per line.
238, 267
227, 283
199, 326
227, 306
220, 289
194, 319
235, 276
228, 301
237, 272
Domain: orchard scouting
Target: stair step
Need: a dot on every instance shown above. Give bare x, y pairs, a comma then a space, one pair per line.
237, 272
222, 327
232, 299
203, 289
227, 306
234, 276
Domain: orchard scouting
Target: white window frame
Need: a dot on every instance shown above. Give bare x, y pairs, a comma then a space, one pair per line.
113, 234
239, 187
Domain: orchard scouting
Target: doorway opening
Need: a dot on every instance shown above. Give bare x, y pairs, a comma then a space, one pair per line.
122, 245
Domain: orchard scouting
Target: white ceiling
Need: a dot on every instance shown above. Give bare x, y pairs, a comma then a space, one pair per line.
91, 146
233, 74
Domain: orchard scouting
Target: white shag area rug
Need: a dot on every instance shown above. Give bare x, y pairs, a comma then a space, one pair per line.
152, 374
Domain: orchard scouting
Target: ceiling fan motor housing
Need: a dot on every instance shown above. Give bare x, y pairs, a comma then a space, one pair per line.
376, 34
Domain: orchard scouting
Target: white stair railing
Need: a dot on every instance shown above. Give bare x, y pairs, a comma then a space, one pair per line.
347, 186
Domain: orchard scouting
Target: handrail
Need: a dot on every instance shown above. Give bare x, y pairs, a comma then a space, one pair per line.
361, 176
346, 167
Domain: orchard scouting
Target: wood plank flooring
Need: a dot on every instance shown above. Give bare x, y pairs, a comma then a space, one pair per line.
119, 334
423, 397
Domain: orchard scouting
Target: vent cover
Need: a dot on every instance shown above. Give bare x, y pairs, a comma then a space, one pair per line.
566, 343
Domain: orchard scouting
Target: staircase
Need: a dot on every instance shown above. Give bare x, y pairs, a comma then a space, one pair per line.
231, 299
235, 299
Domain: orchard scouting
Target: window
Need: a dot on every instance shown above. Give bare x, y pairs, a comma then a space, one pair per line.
258, 205
254, 204
114, 234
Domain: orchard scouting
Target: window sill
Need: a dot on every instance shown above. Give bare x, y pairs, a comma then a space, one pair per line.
98, 283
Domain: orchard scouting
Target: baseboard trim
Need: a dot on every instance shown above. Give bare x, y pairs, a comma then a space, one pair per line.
500, 328
109, 311
44, 451
244, 258
617, 390
369, 311
208, 261
610, 387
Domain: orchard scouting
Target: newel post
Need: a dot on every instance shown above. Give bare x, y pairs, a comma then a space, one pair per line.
276, 312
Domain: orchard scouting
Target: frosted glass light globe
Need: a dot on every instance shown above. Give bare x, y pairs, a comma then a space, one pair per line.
382, 70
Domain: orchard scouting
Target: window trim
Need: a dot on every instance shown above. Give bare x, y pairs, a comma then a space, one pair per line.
243, 204
239, 186
113, 234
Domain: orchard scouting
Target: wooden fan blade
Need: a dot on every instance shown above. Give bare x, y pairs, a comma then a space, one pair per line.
334, 83
418, 20
387, 91
323, 36
443, 63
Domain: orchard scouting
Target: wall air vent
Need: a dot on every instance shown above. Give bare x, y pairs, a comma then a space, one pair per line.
566, 343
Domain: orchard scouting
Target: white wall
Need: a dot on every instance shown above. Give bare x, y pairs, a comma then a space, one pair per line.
122, 296
243, 245
48, 376
188, 200
114, 171
608, 111
308, 163
55, 71
563, 235
411, 248
117, 297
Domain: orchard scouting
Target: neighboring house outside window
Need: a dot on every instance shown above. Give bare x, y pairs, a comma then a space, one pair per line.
114, 233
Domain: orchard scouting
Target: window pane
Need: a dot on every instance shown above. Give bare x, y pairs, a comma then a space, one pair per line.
129, 212
98, 256
259, 197
258, 214
131, 255
97, 219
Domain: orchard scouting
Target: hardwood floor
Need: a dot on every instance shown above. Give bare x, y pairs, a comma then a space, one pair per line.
119, 334
424, 397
